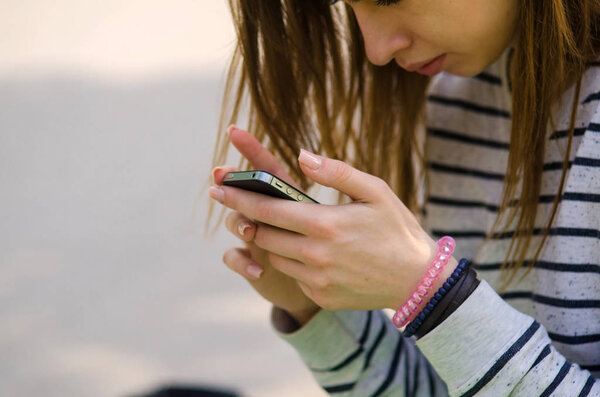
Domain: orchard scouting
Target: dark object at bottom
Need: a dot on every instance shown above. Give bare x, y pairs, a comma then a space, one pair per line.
189, 391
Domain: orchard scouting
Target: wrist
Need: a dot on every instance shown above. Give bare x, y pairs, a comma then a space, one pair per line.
303, 316
462, 283
446, 272
440, 268
435, 286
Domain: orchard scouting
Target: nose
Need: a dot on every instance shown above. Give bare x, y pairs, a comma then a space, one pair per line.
384, 36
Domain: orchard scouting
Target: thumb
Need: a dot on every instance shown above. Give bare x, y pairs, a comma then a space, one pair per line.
336, 174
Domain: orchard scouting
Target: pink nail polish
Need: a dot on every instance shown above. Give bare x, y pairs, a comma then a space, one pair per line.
254, 271
309, 159
214, 173
216, 193
230, 130
242, 227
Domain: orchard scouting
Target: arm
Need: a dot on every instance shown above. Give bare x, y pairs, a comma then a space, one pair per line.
492, 348
486, 347
500, 352
360, 353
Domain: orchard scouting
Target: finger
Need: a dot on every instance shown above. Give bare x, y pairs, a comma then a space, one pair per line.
218, 173
336, 174
306, 290
238, 260
284, 243
290, 267
258, 156
240, 226
285, 214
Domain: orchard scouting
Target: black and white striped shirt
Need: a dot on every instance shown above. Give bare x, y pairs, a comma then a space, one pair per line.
541, 337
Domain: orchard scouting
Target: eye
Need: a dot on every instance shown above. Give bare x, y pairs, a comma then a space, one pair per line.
382, 3
386, 2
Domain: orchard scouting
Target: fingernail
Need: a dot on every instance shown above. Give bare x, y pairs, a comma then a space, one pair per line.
216, 193
230, 129
214, 173
254, 271
309, 159
242, 227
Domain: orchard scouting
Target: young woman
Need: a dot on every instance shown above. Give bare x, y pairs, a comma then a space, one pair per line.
475, 119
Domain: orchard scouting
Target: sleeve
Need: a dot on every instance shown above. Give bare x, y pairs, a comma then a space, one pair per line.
487, 348
484, 348
361, 353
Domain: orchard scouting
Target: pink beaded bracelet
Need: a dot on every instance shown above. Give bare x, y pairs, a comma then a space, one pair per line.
445, 249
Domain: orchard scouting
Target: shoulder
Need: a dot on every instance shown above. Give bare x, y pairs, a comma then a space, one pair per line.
590, 86
588, 101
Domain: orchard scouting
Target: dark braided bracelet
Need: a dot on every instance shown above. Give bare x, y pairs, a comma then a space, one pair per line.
449, 303
460, 270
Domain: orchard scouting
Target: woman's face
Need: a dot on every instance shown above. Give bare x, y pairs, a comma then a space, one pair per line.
460, 37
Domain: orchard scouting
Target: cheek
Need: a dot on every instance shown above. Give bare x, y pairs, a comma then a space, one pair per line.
479, 35
495, 23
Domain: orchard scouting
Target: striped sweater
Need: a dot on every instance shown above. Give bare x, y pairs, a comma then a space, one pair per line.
540, 337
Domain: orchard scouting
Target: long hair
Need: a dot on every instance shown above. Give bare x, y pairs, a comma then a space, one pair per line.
301, 77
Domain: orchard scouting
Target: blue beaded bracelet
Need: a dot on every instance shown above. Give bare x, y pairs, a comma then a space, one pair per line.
411, 328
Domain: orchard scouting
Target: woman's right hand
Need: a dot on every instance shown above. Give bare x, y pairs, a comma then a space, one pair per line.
252, 262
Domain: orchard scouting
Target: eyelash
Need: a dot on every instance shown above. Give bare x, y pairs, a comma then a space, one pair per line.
381, 3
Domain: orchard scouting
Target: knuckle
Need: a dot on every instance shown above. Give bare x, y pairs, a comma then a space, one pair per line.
323, 289
231, 216
376, 184
305, 253
240, 226
324, 225
277, 170
380, 185
260, 235
311, 254
275, 260
308, 291
321, 282
326, 302
264, 210
323, 257
230, 220
341, 172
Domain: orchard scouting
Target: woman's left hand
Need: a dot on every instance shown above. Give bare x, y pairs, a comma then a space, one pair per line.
367, 254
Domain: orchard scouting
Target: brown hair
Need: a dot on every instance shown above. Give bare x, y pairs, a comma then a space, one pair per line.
302, 67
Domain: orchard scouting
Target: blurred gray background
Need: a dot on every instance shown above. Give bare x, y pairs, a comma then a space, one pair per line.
108, 287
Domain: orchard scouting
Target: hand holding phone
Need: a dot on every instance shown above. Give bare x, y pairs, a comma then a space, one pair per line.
275, 286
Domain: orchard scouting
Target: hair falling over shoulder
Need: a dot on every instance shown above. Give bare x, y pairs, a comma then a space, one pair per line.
300, 78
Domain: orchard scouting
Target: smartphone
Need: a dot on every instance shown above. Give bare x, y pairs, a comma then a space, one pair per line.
266, 183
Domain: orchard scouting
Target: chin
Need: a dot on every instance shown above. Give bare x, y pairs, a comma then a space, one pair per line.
464, 71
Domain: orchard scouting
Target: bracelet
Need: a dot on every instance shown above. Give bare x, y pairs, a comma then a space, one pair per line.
445, 249
457, 295
451, 281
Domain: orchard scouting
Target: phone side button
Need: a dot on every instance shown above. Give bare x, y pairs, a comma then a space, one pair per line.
289, 191
300, 197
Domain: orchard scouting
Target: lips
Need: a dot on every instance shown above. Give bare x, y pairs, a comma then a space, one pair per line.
430, 67
416, 66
